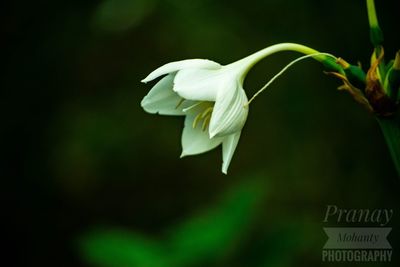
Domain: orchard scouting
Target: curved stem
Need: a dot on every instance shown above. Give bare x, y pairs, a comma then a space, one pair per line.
283, 70
253, 59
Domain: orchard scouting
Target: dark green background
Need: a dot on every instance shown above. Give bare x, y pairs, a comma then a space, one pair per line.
90, 179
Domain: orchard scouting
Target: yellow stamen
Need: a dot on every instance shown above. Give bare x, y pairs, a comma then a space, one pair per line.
196, 120
205, 123
193, 106
205, 116
206, 112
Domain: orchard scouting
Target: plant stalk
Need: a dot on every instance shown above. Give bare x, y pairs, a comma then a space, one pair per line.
391, 131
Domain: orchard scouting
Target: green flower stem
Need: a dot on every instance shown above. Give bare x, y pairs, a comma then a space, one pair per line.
327, 61
373, 19
391, 131
376, 34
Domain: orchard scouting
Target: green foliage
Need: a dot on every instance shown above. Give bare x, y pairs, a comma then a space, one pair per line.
201, 238
117, 248
121, 15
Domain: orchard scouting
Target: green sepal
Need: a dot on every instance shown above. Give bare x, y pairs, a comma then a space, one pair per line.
389, 65
356, 76
392, 79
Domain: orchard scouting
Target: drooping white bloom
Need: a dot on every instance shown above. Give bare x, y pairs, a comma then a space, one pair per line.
211, 97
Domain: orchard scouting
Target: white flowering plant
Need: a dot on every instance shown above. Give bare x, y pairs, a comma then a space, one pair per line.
214, 103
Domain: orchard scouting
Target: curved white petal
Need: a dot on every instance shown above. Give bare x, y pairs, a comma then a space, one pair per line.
163, 100
198, 84
179, 65
230, 110
196, 140
228, 149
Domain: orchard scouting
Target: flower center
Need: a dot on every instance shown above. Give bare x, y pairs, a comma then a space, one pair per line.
204, 116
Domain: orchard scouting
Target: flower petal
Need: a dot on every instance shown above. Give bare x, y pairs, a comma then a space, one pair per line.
163, 100
230, 110
198, 84
196, 140
179, 65
228, 148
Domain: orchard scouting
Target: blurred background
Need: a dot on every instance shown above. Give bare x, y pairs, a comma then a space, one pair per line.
90, 179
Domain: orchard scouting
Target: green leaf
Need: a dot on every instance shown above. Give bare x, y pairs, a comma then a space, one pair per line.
213, 233
200, 238
118, 248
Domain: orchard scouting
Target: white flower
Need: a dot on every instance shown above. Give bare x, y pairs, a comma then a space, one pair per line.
211, 97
